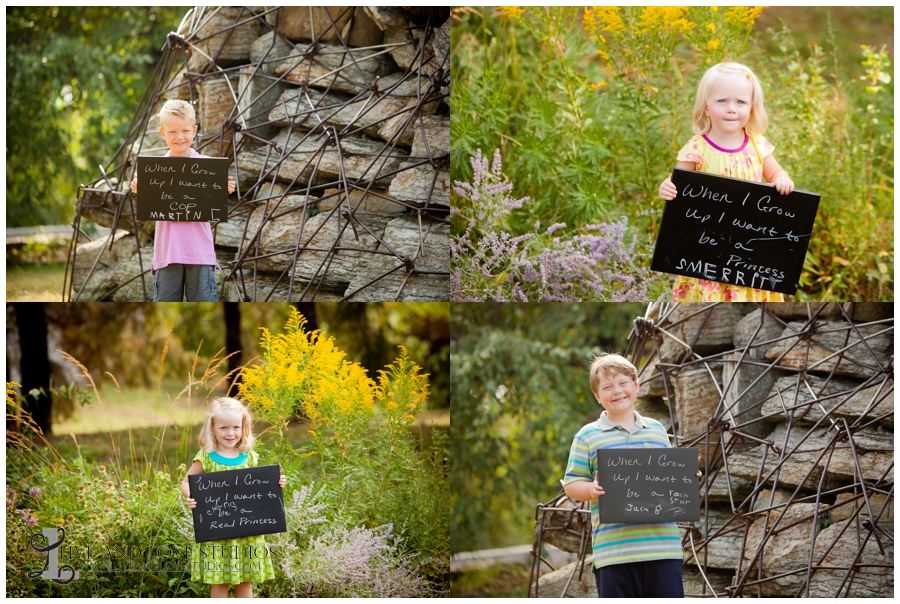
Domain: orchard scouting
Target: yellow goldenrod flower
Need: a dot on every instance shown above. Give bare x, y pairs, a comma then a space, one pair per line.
599, 85
512, 12
603, 18
711, 27
713, 44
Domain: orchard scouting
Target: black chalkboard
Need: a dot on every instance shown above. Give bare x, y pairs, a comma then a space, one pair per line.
735, 231
237, 503
182, 189
648, 485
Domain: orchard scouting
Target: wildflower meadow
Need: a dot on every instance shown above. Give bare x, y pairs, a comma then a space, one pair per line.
571, 117
366, 502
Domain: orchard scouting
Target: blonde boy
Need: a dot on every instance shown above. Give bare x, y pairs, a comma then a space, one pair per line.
184, 257
636, 559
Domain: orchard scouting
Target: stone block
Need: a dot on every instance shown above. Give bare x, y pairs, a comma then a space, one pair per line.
422, 184
551, 584
830, 337
745, 333
308, 109
785, 549
333, 68
804, 310
850, 502
218, 96
229, 47
719, 489
710, 325
655, 408
695, 586
245, 291
723, 549
360, 161
315, 261
651, 381
376, 201
404, 237
115, 267
869, 581
696, 398
874, 448
745, 385
866, 312
879, 396
328, 24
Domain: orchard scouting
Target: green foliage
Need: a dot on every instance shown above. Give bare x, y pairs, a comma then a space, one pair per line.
74, 77
590, 107
520, 393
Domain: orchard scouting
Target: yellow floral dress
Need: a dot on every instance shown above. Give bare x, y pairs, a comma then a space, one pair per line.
230, 561
745, 163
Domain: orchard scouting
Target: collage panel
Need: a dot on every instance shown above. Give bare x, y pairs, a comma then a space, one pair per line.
686, 154
179, 450
672, 450
234, 154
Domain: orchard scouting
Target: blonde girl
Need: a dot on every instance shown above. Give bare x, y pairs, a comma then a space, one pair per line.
729, 121
226, 442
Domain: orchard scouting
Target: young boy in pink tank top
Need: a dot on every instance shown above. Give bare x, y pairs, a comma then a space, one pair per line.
184, 257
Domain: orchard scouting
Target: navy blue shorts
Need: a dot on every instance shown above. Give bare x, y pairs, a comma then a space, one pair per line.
651, 579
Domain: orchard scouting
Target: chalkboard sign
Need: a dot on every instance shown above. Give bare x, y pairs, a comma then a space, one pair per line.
237, 503
648, 485
735, 231
182, 189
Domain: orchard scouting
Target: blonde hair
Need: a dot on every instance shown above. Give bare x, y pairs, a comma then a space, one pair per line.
759, 119
178, 108
227, 405
607, 364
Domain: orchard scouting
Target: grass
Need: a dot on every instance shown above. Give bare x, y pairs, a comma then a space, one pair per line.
497, 581
133, 408
35, 282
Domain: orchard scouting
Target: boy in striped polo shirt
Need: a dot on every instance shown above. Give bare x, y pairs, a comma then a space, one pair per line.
631, 560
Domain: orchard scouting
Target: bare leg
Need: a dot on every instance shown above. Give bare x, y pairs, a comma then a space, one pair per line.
243, 590
219, 591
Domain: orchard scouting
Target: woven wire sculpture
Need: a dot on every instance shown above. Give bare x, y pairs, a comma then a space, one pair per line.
328, 111
804, 508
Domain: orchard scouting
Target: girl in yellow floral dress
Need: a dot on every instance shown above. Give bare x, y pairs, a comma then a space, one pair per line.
729, 122
226, 442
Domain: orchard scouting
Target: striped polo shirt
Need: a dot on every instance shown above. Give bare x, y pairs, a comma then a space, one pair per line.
633, 541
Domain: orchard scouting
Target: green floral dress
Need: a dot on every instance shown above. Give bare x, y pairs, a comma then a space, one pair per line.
230, 561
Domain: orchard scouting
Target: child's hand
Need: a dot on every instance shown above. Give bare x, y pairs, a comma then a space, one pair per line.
784, 185
192, 503
699, 473
134, 186
231, 185
282, 481
667, 190
596, 490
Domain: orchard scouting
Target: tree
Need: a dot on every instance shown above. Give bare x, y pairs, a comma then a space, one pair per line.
520, 391
233, 343
32, 324
74, 76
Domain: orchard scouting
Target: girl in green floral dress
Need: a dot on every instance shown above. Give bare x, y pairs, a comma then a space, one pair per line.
227, 444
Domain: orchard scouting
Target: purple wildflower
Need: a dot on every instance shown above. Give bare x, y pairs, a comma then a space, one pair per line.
35, 491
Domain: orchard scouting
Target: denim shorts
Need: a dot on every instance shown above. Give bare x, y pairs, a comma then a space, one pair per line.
175, 282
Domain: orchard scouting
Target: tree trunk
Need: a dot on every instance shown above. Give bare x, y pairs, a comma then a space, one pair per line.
308, 310
233, 343
32, 324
